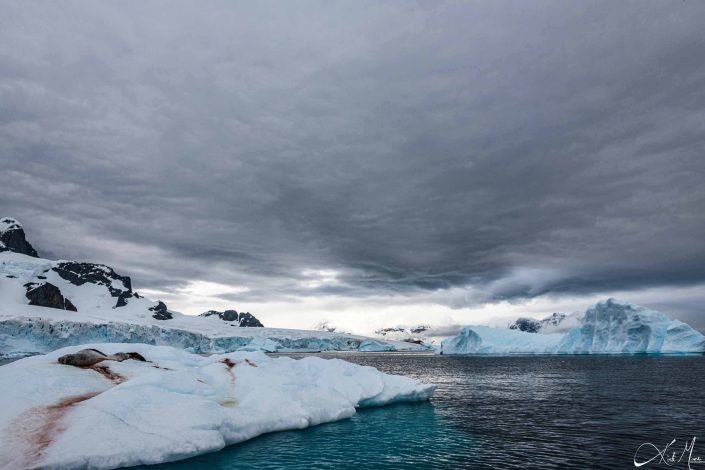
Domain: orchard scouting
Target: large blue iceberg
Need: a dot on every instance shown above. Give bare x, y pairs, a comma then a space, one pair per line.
609, 327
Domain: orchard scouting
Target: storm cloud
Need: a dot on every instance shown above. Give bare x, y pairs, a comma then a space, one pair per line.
361, 149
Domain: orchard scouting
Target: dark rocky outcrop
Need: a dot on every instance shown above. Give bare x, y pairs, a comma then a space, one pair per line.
81, 273
12, 238
247, 319
242, 319
122, 299
528, 325
161, 312
531, 325
47, 295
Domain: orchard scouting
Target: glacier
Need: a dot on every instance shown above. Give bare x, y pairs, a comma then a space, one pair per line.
608, 327
27, 335
116, 414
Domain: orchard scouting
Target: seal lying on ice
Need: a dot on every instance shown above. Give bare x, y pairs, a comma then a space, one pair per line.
91, 357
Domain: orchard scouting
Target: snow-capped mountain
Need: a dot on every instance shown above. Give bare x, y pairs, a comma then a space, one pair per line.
12, 238
76, 286
408, 334
46, 304
423, 335
609, 327
326, 326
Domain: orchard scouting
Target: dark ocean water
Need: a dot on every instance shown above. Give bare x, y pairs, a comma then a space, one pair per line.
575, 412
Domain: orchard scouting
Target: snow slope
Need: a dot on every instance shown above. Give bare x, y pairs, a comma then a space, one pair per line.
28, 329
609, 327
122, 413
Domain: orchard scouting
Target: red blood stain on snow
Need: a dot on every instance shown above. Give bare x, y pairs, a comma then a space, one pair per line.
228, 362
105, 371
37, 428
52, 421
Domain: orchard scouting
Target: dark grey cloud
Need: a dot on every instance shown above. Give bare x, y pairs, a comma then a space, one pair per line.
513, 148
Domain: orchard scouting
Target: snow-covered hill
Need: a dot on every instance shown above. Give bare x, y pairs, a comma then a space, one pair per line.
45, 305
609, 327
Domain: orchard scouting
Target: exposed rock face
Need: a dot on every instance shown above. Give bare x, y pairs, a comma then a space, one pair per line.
12, 238
247, 319
161, 312
531, 325
229, 315
81, 273
528, 325
48, 295
243, 319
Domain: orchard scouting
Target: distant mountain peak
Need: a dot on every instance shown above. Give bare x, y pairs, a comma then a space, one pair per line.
531, 325
12, 238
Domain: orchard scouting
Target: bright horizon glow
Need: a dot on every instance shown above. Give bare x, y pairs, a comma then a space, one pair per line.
363, 316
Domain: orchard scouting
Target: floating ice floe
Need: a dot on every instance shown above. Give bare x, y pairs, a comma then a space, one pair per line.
173, 406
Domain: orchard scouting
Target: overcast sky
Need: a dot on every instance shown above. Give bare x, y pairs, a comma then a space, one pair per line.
360, 162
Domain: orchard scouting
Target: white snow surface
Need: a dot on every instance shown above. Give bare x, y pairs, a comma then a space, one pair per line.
175, 406
609, 327
27, 329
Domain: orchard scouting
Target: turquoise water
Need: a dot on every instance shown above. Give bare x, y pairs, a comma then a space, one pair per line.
498, 412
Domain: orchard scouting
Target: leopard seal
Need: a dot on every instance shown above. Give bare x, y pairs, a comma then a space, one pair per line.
91, 357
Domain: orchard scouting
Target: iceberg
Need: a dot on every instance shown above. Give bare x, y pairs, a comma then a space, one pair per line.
114, 414
489, 340
372, 345
609, 327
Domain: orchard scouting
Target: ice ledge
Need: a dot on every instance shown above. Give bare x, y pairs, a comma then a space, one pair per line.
125, 415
